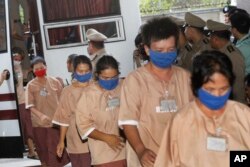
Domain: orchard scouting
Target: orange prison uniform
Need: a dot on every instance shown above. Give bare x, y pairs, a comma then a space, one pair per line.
140, 101
65, 116
186, 137
93, 113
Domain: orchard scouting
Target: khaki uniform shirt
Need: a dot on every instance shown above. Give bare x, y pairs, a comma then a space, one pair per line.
19, 86
185, 139
65, 116
96, 56
44, 98
140, 102
201, 46
186, 57
93, 112
239, 70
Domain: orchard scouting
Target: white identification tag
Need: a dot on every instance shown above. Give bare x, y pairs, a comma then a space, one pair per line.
167, 106
216, 144
43, 92
115, 102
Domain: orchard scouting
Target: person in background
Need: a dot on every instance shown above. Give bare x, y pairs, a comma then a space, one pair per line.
140, 57
25, 116
97, 116
240, 24
41, 98
227, 10
65, 114
3, 77
194, 32
96, 48
220, 125
152, 94
220, 40
18, 24
184, 48
70, 67
69, 62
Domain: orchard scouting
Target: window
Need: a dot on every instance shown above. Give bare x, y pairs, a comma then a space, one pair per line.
74, 33
62, 10
3, 39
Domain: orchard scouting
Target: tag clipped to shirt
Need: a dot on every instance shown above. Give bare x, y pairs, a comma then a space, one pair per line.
114, 102
43, 92
216, 144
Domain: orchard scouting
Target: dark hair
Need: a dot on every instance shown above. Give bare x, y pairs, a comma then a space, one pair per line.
208, 63
140, 46
97, 44
37, 60
224, 34
71, 58
240, 21
81, 59
106, 62
17, 50
159, 28
236, 10
247, 80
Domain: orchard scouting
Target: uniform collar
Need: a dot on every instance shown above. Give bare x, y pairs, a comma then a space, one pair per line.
243, 39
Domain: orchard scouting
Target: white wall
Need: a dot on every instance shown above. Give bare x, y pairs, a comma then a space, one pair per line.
244, 4
122, 50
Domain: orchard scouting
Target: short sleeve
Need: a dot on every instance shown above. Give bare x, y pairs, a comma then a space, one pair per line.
29, 96
63, 112
129, 113
84, 118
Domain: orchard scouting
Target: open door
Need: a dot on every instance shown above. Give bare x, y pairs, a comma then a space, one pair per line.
11, 143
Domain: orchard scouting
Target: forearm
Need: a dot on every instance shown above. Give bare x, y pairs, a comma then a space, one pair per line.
98, 135
63, 131
36, 112
134, 139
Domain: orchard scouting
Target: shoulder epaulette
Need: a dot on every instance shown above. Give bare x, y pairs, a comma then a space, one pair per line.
205, 40
230, 48
188, 47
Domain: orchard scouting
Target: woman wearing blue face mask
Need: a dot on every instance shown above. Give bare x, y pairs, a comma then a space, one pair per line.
65, 114
205, 131
97, 116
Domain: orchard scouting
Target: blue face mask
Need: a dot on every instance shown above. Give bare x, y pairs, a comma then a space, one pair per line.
108, 84
211, 101
83, 78
162, 60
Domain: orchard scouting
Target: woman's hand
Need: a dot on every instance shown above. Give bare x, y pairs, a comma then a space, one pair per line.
59, 149
115, 142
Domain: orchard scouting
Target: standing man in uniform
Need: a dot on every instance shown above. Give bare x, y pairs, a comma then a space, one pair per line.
194, 32
96, 48
220, 40
184, 49
240, 24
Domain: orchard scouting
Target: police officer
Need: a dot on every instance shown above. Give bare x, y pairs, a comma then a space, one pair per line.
96, 48
220, 40
194, 33
227, 10
240, 24
185, 50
